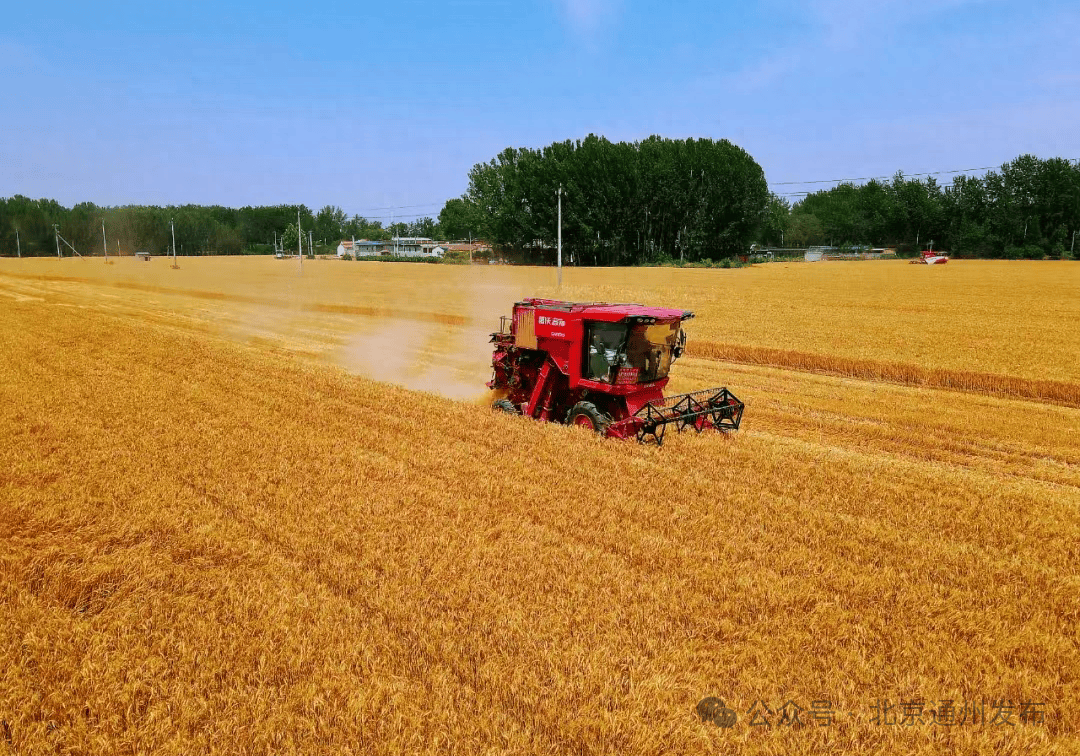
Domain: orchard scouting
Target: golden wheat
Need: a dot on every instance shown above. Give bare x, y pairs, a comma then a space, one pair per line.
212, 543
970, 324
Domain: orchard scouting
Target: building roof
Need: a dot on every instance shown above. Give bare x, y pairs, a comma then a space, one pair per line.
609, 311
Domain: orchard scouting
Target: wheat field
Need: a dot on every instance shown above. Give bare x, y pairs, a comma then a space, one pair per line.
250, 510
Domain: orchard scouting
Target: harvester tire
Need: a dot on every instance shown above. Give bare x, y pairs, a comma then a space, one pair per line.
507, 406
587, 415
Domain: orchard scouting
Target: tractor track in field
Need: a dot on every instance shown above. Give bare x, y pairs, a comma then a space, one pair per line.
921, 445
1061, 393
249, 299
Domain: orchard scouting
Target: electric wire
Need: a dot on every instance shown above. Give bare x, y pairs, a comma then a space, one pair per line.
874, 178
870, 178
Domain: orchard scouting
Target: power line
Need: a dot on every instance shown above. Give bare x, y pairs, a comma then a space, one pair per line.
870, 178
402, 207
396, 216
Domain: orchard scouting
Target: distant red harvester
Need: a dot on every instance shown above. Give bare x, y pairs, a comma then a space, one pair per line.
601, 366
930, 257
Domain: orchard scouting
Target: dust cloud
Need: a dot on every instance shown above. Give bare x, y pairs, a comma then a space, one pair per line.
452, 360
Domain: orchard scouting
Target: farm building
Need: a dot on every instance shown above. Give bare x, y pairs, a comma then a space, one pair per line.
814, 254
398, 246
362, 248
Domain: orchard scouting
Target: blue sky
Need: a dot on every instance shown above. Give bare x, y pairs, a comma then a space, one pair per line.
377, 105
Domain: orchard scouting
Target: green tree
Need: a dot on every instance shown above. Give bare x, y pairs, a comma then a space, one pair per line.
774, 224
622, 203
423, 227
290, 238
804, 229
330, 223
458, 219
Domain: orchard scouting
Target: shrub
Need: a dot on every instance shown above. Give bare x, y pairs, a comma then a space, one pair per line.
455, 257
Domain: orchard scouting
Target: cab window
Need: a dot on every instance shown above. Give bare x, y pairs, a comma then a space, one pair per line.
602, 346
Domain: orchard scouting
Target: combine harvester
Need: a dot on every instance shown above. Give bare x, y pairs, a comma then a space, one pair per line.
603, 367
930, 257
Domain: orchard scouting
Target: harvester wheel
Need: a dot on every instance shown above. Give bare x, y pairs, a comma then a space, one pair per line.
507, 406
586, 415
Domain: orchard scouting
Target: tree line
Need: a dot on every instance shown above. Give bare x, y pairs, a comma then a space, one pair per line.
27, 228
622, 203
1030, 208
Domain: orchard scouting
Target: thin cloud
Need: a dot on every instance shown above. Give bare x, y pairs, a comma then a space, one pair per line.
849, 23
587, 18
763, 73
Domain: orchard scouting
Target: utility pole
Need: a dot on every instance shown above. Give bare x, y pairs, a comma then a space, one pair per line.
104, 241
299, 240
56, 230
558, 275
172, 226
1072, 246
310, 249
18, 243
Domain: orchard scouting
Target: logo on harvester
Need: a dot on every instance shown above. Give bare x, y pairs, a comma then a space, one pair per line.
712, 709
546, 320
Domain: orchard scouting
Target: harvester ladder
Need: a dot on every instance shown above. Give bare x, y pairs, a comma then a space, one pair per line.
543, 378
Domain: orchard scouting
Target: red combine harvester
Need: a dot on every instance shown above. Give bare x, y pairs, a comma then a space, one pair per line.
601, 366
930, 257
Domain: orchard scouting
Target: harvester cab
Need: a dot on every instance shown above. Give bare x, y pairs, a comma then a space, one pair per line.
602, 366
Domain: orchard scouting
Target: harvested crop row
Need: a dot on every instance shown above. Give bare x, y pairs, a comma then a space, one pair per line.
1058, 392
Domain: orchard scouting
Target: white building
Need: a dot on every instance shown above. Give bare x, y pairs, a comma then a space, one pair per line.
399, 246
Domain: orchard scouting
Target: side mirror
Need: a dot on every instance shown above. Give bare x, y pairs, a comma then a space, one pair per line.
680, 345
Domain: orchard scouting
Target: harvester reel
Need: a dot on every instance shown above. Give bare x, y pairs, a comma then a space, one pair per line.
693, 414
656, 430
726, 412
700, 410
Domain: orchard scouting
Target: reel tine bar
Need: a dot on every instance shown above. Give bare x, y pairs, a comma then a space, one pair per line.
712, 408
